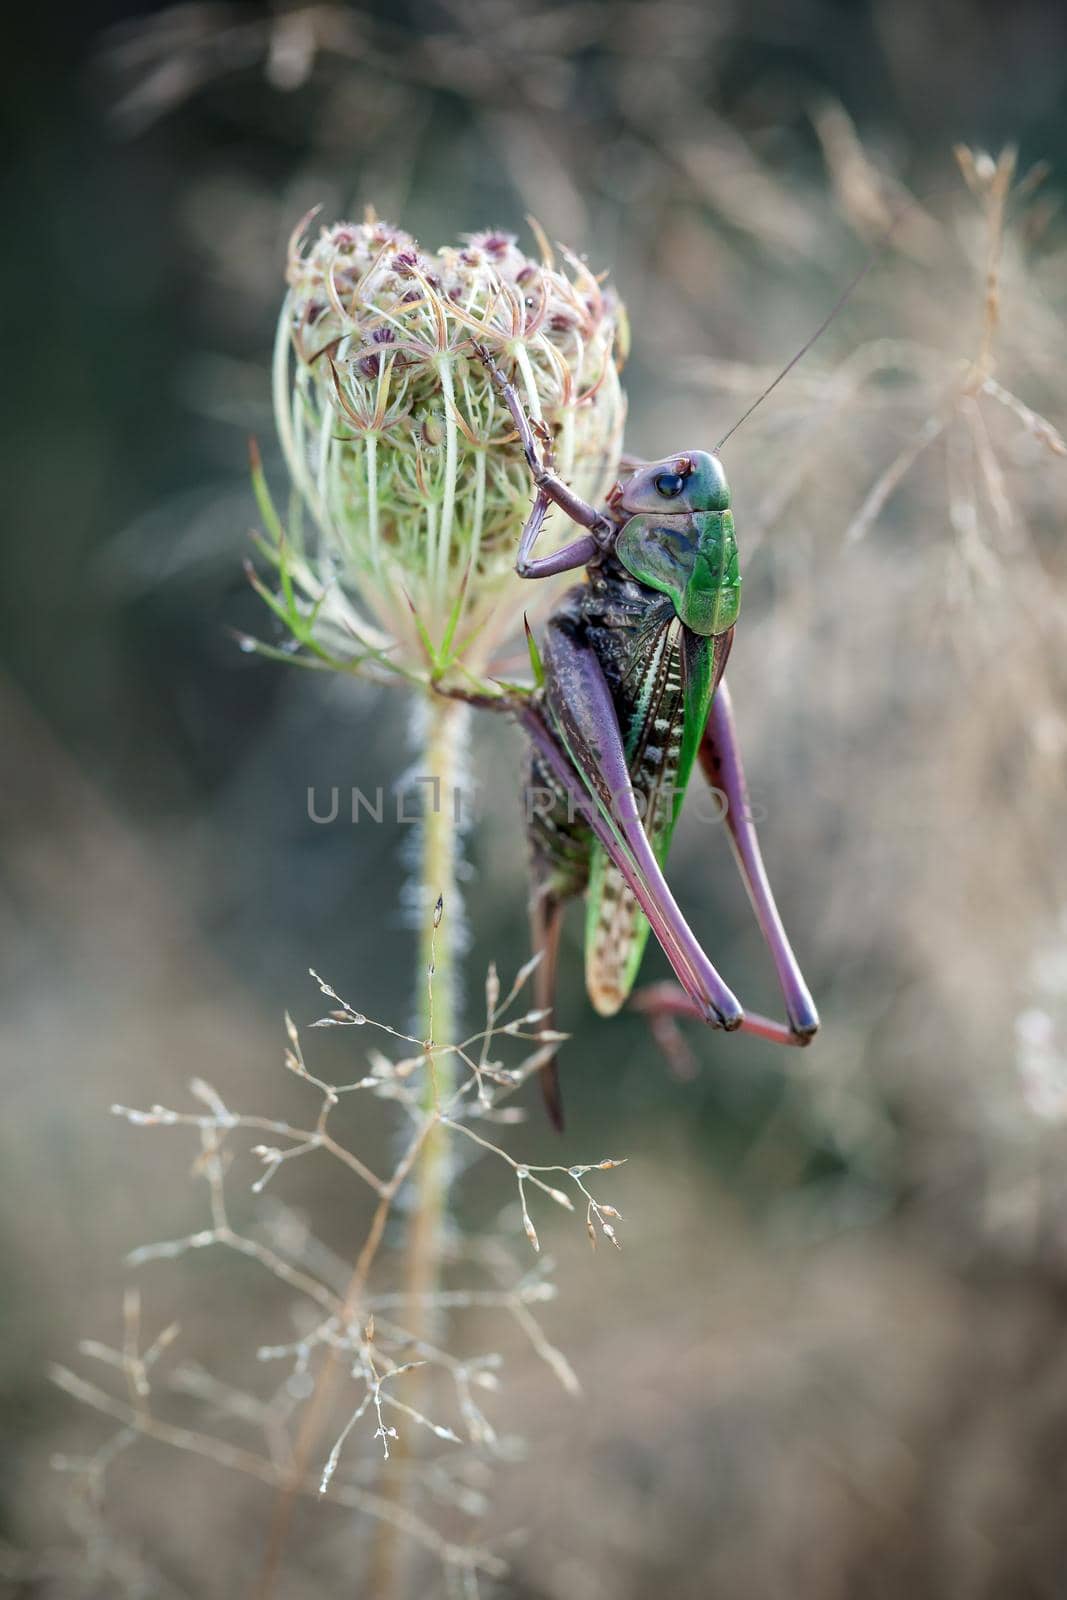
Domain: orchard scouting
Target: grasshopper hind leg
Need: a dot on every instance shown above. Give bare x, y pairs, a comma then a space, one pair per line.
546, 925
720, 757
560, 847
664, 1003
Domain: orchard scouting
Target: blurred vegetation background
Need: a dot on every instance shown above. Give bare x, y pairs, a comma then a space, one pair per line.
830, 1360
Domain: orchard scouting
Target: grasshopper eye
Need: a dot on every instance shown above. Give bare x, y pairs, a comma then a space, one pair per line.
669, 484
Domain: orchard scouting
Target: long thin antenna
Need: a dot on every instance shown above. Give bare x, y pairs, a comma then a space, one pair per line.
849, 289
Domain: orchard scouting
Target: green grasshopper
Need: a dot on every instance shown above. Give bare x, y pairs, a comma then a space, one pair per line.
630, 698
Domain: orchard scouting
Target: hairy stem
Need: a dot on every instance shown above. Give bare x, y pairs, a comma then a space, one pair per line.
441, 929
425, 1162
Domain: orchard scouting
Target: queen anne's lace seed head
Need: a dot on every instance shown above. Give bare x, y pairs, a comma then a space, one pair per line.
402, 450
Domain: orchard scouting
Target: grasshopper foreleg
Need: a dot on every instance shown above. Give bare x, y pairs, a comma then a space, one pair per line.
547, 482
573, 555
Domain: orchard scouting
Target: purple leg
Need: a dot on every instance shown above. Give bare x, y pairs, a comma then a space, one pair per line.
661, 1003
720, 757
664, 1003
577, 554
584, 749
579, 510
546, 925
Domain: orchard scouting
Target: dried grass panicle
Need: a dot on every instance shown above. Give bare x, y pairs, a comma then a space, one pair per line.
934, 433
364, 1328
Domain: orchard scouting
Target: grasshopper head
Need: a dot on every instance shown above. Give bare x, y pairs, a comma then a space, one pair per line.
693, 481
680, 539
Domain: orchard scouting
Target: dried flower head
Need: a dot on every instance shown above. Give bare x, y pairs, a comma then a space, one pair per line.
403, 455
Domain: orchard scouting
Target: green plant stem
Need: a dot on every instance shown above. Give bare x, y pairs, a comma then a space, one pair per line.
443, 737
443, 744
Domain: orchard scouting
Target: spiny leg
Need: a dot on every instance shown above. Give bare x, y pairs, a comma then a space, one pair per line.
579, 510
663, 1003
576, 554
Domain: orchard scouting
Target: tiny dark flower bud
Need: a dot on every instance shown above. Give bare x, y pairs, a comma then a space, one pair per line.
371, 366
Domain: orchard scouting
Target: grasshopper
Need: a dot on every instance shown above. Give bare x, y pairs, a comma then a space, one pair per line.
630, 697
